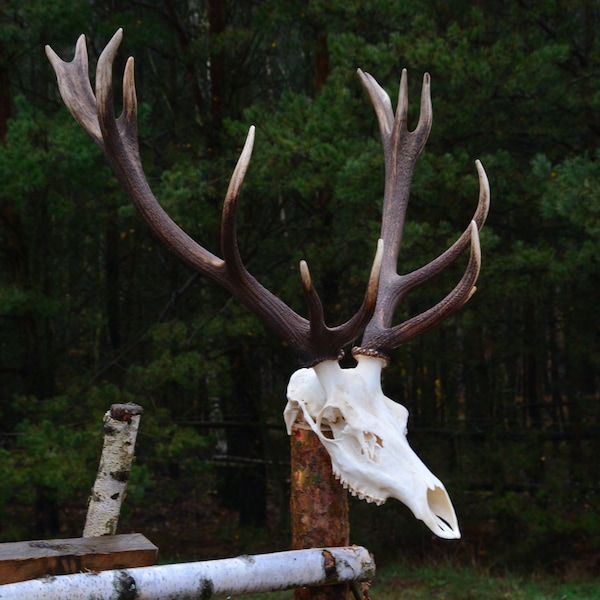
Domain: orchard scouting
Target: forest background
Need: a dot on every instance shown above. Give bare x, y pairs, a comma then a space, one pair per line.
503, 398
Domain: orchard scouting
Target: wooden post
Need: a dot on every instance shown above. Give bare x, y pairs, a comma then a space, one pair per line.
319, 506
121, 424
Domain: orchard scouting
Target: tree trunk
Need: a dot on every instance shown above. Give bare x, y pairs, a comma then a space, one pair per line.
5, 98
319, 507
217, 71
111, 269
321, 61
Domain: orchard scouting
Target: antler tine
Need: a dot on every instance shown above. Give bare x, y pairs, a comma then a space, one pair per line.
76, 90
319, 332
381, 102
401, 150
312, 340
365, 313
229, 246
380, 341
104, 95
407, 283
123, 129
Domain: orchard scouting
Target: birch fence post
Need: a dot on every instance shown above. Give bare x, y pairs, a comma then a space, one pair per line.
121, 425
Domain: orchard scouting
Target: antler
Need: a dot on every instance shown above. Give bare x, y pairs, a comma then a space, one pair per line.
402, 149
312, 340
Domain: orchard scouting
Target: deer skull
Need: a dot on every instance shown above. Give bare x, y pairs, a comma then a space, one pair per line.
364, 433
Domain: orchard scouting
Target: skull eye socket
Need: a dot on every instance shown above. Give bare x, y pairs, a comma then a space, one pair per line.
331, 422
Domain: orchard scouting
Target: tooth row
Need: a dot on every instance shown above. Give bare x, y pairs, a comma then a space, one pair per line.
361, 496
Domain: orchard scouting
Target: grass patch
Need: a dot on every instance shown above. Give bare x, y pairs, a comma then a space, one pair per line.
451, 582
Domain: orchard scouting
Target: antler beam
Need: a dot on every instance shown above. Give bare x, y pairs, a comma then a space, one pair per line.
311, 339
402, 149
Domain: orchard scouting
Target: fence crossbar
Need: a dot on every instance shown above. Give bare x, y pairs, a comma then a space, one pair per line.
207, 579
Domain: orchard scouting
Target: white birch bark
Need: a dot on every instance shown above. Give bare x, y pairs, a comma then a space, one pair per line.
205, 580
121, 424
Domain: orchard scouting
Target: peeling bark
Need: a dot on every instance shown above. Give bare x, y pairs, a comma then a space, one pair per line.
205, 580
121, 424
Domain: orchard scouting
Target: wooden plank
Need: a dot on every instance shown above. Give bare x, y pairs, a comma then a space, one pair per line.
20, 561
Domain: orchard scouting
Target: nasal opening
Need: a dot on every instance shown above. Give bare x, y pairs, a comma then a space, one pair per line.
443, 512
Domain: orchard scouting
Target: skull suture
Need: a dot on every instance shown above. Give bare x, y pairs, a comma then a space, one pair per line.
364, 433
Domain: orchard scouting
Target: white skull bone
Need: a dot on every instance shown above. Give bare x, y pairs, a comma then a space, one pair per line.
369, 452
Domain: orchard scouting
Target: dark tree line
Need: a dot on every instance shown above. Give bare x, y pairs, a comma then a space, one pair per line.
503, 397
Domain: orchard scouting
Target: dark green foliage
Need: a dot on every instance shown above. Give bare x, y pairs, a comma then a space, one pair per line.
93, 311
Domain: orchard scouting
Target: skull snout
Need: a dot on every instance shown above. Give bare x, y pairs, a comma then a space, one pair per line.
443, 520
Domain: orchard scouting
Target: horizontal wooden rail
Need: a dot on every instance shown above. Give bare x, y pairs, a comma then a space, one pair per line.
22, 561
208, 579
